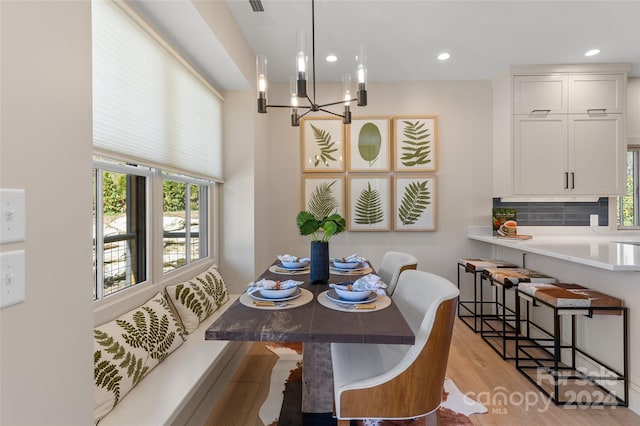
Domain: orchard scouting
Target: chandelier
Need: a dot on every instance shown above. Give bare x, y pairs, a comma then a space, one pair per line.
298, 84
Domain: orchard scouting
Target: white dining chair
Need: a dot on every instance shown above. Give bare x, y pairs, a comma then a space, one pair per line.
393, 263
393, 382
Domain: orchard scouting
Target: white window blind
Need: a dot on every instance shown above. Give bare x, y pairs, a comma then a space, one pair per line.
148, 105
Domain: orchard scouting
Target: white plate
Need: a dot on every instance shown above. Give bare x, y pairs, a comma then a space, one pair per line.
333, 296
302, 268
354, 270
258, 296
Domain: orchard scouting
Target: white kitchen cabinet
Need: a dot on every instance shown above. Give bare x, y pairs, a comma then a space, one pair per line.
558, 131
540, 155
540, 94
568, 155
596, 154
596, 93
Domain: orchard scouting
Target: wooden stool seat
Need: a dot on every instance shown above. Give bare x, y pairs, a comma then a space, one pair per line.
566, 295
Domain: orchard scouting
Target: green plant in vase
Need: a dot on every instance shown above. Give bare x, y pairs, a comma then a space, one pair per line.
321, 221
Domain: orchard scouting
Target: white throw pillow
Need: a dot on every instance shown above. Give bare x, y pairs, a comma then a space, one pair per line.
196, 299
128, 348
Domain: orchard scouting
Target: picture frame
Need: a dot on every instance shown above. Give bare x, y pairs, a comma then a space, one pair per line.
368, 144
322, 144
319, 187
368, 201
415, 143
415, 202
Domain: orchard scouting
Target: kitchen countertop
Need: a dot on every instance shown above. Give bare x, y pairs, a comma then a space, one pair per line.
594, 246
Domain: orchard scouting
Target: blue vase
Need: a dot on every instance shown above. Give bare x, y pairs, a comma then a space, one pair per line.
319, 273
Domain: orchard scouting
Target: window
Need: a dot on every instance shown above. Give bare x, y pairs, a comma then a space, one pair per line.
123, 218
120, 227
629, 205
184, 223
162, 121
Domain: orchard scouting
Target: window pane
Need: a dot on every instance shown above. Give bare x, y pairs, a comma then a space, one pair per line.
174, 224
124, 217
628, 205
95, 228
194, 201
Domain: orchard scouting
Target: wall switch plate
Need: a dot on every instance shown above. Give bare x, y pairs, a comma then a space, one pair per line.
12, 215
12, 278
593, 220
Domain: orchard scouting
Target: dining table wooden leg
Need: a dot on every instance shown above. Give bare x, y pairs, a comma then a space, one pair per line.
317, 378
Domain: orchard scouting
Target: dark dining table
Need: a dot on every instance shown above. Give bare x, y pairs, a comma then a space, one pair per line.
316, 326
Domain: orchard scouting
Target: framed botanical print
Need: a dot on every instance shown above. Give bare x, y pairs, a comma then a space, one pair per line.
368, 144
368, 200
322, 144
415, 143
415, 203
323, 195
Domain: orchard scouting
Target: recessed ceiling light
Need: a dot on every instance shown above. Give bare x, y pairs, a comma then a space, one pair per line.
592, 52
444, 56
332, 58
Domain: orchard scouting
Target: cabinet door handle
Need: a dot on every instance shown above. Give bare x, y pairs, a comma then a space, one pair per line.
573, 180
546, 111
566, 180
601, 110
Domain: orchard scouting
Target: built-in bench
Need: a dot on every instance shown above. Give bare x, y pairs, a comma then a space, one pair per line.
184, 388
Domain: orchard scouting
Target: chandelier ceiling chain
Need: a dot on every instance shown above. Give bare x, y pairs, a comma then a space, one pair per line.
298, 84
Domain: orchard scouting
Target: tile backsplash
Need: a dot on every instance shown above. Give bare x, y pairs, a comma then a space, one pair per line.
557, 213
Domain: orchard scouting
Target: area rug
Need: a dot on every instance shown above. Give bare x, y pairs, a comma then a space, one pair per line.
282, 405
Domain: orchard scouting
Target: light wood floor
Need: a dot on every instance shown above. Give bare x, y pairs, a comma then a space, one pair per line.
473, 366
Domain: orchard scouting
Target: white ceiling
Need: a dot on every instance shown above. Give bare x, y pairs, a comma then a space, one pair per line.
403, 37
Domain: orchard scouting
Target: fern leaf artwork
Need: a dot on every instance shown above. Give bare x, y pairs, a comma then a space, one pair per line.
368, 209
325, 145
322, 201
369, 143
415, 200
416, 145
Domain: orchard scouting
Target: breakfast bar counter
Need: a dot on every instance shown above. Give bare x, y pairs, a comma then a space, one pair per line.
593, 246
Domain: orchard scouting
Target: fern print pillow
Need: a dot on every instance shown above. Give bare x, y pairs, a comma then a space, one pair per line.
128, 348
197, 299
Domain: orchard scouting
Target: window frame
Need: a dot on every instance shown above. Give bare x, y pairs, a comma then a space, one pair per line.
100, 166
156, 278
204, 228
635, 148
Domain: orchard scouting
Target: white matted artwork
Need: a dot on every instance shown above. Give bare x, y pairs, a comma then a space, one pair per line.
324, 194
322, 144
368, 200
415, 203
368, 144
415, 143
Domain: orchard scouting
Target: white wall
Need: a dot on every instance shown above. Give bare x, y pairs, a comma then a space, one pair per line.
633, 108
464, 173
46, 343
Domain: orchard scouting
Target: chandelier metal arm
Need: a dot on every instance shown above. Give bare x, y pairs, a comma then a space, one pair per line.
299, 86
336, 103
290, 106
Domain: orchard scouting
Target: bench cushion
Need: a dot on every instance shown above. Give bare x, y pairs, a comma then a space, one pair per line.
129, 347
197, 299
